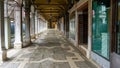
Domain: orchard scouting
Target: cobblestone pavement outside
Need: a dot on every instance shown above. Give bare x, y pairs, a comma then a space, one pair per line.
50, 50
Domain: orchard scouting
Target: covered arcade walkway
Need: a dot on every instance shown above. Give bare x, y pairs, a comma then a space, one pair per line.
59, 33
51, 50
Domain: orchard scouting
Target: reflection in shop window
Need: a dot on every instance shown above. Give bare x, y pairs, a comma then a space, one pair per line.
72, 28
118, 33
100, 29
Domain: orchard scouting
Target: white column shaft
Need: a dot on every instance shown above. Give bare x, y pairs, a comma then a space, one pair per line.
33, 24
38, 26
89, 28
3, 54
7, 26
27, 30
18, 27
76, 28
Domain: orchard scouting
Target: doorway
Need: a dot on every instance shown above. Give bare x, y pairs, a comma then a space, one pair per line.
83, 27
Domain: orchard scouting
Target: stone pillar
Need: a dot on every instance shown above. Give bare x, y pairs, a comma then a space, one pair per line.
64, 25
76, 28
67, 24
33, 21
3, 53
36, 23
7, 26
58, 24
40, 26
18, 25
37, 26
89, 28
27, 22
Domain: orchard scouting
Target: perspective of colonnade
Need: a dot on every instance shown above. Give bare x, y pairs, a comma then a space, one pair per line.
59, 33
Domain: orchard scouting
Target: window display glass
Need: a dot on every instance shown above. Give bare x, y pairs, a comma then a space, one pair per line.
100, 27
118, 29
72, 26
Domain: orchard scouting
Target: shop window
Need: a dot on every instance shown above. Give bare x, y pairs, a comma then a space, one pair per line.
100, 28
118, 30
72, 26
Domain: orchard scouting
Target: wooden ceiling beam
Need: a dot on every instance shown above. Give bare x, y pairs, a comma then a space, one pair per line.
49, 11
50, 4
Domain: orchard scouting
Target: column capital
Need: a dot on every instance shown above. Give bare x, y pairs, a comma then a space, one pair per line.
32, 9
18, 3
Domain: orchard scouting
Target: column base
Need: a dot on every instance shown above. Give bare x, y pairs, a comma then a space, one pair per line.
33, 37
67, 34
8, 47
3, 56
27, 42
36, 36
17, 45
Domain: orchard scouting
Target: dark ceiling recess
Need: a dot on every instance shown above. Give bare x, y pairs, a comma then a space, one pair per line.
48, 1
77, 0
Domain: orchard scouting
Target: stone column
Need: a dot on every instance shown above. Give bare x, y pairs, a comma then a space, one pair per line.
64, 25
3, 53
58, 25
7, 26
36, 23
38, 26
89, 28
33, 21
27, 22
67, 24
76, 28
41, 26
18, 25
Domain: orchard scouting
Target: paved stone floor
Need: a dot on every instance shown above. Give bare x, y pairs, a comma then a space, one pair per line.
50, 50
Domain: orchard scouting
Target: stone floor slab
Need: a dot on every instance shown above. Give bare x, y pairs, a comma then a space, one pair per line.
50, 50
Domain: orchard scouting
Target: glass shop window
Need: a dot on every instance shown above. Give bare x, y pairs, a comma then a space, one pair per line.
118, 30
100, 27
72, 26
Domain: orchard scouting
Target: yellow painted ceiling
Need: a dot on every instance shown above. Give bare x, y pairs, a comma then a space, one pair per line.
51, 9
